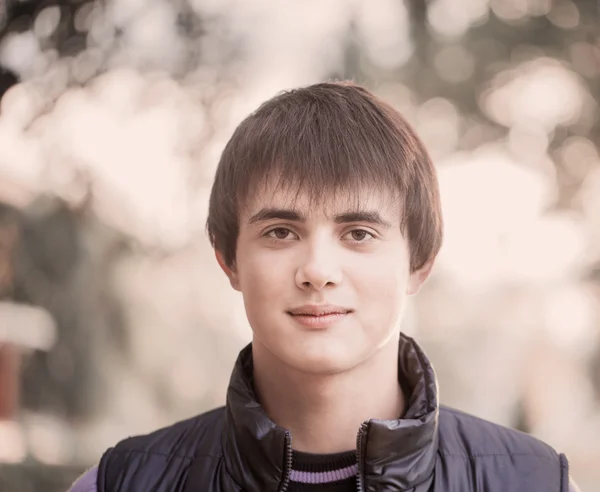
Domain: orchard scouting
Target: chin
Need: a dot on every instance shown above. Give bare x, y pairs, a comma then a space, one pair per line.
323, 361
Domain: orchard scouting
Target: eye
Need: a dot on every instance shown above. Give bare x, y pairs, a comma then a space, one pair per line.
280, 233
360, 235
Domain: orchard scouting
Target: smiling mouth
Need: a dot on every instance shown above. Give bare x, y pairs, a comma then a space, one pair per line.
319, 316
318, 311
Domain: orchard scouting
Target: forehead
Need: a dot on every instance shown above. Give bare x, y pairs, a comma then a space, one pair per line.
326, 202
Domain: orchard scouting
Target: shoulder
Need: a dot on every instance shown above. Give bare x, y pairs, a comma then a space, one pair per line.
465, 434
491, 453
181, 438
164, 454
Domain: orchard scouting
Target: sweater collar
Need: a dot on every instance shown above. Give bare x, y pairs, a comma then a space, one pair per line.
393, 454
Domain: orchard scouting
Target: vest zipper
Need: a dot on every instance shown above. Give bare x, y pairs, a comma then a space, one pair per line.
288, 463
360, 486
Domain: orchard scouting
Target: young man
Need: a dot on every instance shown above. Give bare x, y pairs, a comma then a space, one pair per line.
325, 214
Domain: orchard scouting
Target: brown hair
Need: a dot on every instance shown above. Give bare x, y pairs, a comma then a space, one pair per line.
323, 138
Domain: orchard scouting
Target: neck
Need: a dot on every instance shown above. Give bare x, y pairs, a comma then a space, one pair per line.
324, 412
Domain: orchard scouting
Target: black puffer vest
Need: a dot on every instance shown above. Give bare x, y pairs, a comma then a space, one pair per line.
431, 449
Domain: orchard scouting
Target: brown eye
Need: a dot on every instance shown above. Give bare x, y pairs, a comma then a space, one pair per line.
279, 233
360, 235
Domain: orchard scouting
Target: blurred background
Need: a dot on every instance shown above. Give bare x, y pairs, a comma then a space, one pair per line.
114, 317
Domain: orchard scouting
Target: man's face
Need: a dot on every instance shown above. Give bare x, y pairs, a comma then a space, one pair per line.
323, 285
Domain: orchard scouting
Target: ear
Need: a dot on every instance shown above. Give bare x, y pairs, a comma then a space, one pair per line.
418, 277
229, 271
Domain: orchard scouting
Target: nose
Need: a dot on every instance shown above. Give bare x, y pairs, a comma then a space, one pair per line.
319, 268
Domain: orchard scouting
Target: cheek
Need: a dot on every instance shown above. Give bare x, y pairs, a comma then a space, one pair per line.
381, 290
382, 279
261, 278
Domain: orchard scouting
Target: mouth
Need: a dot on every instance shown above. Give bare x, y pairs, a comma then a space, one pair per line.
316, 310
319, 316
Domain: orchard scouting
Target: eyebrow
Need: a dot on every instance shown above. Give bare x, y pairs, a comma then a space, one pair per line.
368, 216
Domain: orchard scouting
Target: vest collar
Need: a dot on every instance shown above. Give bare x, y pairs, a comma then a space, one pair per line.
393, 454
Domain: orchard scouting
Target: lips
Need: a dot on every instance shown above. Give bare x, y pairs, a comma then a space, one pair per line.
319, 310
319, 317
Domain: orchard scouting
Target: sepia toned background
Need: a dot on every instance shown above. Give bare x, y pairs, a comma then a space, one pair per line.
114, 318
